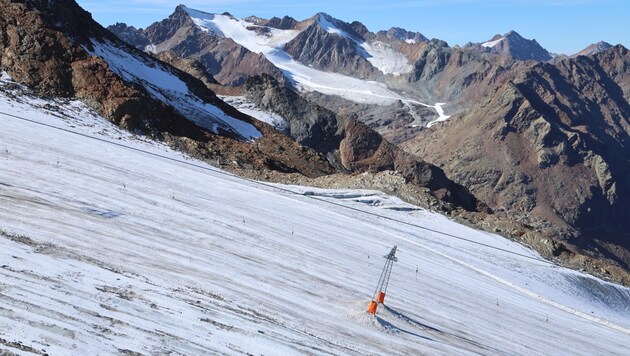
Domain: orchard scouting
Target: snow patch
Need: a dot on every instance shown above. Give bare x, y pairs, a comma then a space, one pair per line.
384, 57
410, 41
441, 116
247, 107
492, 43
5, 77
329, 27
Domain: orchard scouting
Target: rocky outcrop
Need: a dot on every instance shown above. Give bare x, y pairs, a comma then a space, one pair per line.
189, 66
550, 146
309, 124
130, 34
285, 23
400, 34
332, 52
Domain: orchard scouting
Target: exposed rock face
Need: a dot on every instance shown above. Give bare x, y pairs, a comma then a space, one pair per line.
550, 145
364, 150
399, 34
130, 34
309, 124
285, 23
228, 62
189, 66
514, 46
594, 49
332, 52
358, 147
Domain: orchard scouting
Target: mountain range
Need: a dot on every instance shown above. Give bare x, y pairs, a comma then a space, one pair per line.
542, 142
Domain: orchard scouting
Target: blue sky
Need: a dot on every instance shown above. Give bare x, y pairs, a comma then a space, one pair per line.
561, 26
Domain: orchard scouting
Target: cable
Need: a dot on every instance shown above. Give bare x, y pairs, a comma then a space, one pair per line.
276, 187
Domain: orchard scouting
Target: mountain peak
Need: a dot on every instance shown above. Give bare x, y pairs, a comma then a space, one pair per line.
512, 44
594, 48
400, 34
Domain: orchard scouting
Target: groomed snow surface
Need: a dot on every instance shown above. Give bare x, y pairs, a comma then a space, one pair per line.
106, 249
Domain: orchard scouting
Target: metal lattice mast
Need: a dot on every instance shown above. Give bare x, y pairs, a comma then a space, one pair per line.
383, 281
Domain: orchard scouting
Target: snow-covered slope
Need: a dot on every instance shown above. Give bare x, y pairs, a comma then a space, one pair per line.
170, 89
111, 244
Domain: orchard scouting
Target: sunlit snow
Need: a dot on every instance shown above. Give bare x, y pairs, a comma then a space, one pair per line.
441, 116
111, 244
492, 43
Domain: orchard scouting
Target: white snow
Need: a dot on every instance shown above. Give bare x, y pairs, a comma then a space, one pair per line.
410, 41
441, 116
388, 60
5, 77
168, 88
247, 107
105, 249
324, 22
492, 43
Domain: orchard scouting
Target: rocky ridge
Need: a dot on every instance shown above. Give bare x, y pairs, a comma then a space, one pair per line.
550, 145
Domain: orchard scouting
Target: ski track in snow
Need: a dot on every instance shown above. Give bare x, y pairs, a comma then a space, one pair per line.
107, 250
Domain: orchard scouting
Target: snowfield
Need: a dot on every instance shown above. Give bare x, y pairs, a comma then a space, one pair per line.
113, 244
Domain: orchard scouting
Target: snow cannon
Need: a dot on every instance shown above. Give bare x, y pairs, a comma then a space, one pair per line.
383, 281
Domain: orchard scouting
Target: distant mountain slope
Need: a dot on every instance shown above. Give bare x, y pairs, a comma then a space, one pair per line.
515, 46
594, 49
552, 146
229, 62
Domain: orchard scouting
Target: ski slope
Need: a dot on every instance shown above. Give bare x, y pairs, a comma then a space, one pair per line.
113, 244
